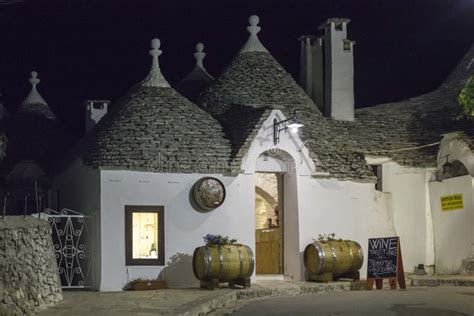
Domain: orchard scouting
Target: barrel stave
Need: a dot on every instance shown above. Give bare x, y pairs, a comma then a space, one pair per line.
226, 262
336, 256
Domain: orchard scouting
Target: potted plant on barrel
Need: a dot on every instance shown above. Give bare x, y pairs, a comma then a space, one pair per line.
222, 259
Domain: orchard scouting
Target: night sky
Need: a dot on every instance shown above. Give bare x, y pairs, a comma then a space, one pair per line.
86, 49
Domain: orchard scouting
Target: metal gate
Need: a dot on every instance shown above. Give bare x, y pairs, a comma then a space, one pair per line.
73, 242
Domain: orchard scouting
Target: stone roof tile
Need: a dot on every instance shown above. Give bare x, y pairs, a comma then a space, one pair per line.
255, 80
156, 129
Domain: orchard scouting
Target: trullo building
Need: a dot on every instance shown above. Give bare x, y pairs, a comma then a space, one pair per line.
289, 171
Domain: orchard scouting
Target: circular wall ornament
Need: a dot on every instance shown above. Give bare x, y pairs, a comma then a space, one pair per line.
208, 193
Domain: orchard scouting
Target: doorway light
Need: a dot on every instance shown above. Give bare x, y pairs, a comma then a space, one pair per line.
294, 127
289, 123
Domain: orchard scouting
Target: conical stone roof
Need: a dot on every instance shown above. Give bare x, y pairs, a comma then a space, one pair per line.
409, 131
198, 79
155, 129
34, 132
34, 103
255, 83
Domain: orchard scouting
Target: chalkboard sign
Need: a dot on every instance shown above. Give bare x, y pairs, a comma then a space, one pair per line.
382, 257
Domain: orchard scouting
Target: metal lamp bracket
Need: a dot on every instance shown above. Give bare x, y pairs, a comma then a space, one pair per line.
279, 126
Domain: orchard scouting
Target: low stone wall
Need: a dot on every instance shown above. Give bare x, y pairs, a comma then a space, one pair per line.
29, 278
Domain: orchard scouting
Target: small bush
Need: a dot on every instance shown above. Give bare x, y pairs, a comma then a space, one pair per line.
218, 240
466, 98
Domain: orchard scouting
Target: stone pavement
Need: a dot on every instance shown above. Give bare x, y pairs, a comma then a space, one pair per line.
441, 280
414, 301
178, 301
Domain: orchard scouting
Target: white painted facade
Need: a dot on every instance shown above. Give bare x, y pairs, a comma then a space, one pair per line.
407, 189
311, 207
184, 226
438, 239
406, 207
454, 229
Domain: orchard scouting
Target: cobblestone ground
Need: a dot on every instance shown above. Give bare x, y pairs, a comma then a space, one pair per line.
159, 302
419, 301
178, 301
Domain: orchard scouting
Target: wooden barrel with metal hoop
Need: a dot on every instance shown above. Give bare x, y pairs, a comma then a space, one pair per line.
227, 263
333, 258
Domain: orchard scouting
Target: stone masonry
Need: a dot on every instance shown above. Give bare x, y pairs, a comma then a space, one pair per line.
29, 277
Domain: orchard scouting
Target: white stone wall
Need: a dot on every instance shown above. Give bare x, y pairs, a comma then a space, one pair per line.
314, 206
311, 206
184, 226
454, 230
351, 210
411, 211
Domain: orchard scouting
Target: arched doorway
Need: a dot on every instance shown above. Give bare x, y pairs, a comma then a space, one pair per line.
276, 216
452, 169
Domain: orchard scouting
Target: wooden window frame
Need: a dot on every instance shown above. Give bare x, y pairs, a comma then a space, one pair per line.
129, 210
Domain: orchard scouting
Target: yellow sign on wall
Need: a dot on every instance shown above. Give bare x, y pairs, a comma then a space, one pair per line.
452, 202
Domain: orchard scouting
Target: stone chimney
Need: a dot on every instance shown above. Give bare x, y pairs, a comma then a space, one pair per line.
95, 110
327, 69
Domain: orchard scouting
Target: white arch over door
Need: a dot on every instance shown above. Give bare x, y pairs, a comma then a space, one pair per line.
264, 156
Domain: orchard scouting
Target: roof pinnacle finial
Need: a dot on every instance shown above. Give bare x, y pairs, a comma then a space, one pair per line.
34, 97
34, 80
253, 43
200, 55
254, 28
155, 77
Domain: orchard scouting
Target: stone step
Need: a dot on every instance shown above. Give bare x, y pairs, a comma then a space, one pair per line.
442, 280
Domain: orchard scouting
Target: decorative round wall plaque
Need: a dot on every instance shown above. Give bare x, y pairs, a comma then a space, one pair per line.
208, 193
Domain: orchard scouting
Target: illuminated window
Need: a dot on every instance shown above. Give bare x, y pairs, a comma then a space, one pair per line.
144, 235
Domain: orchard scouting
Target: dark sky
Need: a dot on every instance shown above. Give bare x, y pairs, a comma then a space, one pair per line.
86, 49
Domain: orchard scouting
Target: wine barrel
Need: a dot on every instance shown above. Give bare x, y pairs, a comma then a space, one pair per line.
335, 256
226, 263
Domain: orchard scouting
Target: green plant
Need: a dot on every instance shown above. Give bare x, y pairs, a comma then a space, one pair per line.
466, 98
327, 237
217, 240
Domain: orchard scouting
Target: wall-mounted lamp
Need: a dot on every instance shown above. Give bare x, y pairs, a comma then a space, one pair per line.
289, 123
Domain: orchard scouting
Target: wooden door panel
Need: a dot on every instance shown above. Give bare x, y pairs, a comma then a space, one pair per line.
267, 250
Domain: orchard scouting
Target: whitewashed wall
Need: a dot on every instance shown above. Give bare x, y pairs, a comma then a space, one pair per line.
184, 226
79, 190
350, 210
453, 230
409, 203
313, 206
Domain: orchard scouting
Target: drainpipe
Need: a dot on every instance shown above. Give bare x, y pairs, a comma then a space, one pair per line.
430, 250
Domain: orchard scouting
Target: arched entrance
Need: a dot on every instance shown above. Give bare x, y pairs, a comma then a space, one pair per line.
276, 216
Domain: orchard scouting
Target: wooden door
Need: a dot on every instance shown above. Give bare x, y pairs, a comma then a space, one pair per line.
267, 257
